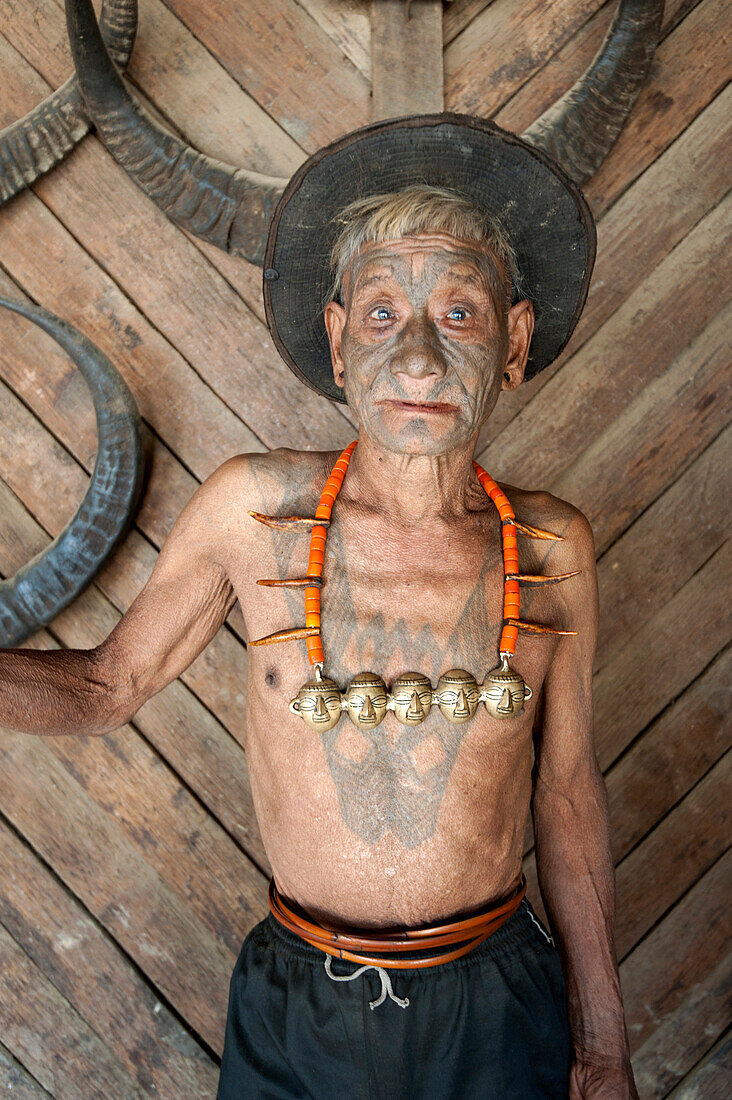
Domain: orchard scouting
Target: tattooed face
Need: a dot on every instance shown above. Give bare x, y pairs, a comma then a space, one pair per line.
422, 340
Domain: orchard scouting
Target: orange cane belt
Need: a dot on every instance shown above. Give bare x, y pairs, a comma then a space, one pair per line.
350, 943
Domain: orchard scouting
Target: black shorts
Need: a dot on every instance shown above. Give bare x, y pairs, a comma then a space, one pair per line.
491, 1025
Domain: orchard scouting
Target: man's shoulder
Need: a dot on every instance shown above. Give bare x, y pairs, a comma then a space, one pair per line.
550, 513
265, 480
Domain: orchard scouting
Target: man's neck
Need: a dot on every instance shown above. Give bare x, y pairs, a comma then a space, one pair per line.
411, 489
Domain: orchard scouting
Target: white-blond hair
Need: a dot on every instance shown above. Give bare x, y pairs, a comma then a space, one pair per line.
419, 208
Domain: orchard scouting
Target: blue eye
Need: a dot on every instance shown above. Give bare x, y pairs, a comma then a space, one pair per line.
382, 313
458, 309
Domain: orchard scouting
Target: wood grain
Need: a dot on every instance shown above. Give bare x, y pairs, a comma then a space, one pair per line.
406, 58
133, 865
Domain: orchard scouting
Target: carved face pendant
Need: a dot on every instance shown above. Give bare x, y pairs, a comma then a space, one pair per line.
457, 695
366, 700
318, 702
411, 698
504, 692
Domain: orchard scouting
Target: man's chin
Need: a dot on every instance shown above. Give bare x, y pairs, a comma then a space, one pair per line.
418, 435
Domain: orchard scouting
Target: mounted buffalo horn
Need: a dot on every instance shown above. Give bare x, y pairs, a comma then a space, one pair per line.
226, 206
230, 207
36, 143
56, 576
580, 129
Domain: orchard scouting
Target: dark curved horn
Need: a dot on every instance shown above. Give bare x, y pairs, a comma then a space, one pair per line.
229, 207
36, 143
51, 580
580, 128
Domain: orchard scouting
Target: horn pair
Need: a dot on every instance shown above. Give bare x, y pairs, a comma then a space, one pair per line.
230, 207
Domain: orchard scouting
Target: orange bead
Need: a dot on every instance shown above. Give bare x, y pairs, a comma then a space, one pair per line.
322, 512
318, 531
312, 618
510, 586
315, 569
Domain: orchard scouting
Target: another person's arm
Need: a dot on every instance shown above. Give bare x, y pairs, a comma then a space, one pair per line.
573, 854
179, 610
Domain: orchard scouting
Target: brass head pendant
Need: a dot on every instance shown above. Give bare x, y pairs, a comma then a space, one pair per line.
366, 700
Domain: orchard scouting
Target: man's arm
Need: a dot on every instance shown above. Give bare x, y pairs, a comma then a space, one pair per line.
179, 610
573, 854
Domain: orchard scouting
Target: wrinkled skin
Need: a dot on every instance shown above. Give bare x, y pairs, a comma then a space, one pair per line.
426, 323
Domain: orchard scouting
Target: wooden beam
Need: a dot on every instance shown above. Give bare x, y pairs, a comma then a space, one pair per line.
406, 58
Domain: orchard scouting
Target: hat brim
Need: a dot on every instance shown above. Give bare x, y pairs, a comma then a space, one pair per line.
544, 213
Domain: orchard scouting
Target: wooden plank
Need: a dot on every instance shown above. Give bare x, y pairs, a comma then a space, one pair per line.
686, 180
685, 1034
185, 82
689, 69
642, 569
680, 849
683, 743
551, 81
59, 1048
666, 312
665, 859
195, 96
184, 733
406, 58
282, 57
348, 24
16, 1079
93, 975
712, 1078
459, 14
660, 660
136, 248
682, 951
627, 466
500, 49
108, 873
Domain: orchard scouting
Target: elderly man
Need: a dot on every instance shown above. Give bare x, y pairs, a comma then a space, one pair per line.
393, 786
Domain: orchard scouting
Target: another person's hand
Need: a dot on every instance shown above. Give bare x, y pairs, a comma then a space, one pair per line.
596, 1078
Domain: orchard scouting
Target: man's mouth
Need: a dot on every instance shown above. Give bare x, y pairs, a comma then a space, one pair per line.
420, 407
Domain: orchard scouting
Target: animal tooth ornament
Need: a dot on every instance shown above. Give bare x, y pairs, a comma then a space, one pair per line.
319, 702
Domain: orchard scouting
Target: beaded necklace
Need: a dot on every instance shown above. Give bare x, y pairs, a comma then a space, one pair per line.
320, 703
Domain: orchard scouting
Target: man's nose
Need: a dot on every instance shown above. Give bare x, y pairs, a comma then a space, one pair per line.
418, 352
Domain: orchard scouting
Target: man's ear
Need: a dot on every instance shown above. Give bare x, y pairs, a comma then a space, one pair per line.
520, 324
335, 322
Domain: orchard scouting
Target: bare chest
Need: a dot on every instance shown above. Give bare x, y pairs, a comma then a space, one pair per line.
391, 602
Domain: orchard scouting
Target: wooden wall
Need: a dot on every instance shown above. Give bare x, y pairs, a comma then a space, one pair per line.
131, 865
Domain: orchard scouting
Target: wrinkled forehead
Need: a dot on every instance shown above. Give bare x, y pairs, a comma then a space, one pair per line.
433, 258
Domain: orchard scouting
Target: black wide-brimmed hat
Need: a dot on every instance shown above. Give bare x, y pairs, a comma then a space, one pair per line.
543, 212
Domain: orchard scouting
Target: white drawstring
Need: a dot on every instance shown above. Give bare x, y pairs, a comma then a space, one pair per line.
546, 936
386, 987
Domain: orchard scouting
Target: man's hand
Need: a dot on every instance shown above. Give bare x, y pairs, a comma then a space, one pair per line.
596, 1078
